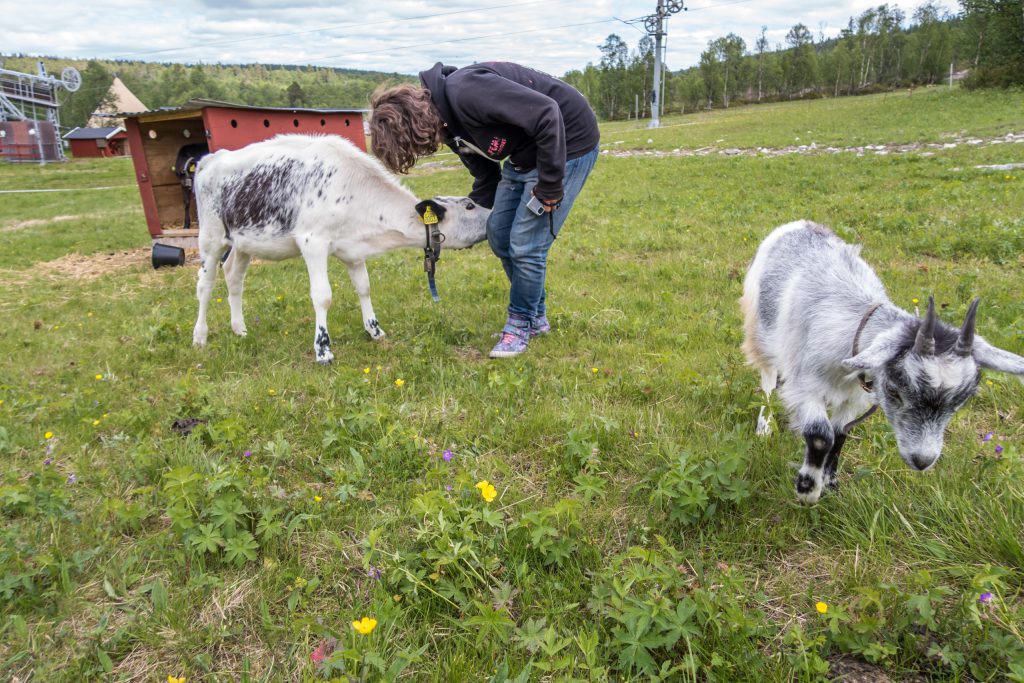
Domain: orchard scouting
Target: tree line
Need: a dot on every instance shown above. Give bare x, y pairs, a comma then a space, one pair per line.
878, 50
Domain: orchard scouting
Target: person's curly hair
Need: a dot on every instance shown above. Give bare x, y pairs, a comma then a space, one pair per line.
404, 126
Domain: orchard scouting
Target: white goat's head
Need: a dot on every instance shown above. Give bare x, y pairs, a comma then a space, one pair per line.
923, 373
462, 222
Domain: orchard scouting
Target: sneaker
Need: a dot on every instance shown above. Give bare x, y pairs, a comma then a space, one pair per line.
539, 326
515, 337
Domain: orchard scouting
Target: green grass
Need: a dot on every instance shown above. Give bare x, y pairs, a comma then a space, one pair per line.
638, 520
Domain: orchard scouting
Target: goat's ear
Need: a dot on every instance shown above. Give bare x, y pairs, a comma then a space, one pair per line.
992, 358
881, 351
430, 211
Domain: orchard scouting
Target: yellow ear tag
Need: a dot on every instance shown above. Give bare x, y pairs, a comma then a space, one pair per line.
429, 217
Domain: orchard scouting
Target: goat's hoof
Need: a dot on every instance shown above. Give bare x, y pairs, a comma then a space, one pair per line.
764, 424
240, 330
832, 484
808, 489
325, 358
373, 329
198, 341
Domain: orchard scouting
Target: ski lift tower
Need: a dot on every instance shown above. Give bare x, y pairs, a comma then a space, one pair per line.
30, 113
656, 26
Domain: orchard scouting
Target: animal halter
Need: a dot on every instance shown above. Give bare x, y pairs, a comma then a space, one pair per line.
865, 384
432, 250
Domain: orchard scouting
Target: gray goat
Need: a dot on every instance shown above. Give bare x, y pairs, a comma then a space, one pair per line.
820, 326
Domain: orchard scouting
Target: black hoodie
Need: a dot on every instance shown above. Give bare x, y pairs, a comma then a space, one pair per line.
507, 110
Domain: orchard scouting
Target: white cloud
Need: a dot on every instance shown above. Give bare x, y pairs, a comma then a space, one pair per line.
402, 36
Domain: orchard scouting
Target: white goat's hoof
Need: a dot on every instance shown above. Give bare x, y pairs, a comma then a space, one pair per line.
240, 330
373, 329
808, 488
764, 424
199, 339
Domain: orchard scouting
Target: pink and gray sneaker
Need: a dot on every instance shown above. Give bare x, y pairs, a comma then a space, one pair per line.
515, 337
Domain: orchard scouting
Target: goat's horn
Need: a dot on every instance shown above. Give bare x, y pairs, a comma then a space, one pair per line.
965, 342
924, 345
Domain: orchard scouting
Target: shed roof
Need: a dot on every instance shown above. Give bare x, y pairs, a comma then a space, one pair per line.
197, 104
93, 133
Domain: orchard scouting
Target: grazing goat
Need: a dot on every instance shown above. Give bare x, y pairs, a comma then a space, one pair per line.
316, 196
820, 326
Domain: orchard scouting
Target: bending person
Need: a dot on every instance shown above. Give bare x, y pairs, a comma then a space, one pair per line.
543, 130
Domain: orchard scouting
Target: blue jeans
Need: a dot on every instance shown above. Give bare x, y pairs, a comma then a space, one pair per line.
522, 239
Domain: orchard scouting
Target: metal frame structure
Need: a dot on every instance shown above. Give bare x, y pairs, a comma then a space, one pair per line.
656, 25
33, 97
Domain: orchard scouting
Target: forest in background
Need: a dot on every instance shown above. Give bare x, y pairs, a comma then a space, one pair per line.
881, 49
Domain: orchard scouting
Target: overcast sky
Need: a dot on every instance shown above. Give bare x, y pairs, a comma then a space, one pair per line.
403, 36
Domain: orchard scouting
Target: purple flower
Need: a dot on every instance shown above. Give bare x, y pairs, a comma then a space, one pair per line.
448, 488
987, 437
374, 573
999, 449
48, 461
247, 454
72, 478
447, 455
985, 597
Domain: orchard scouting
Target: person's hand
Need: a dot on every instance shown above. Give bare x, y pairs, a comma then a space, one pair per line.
550, 204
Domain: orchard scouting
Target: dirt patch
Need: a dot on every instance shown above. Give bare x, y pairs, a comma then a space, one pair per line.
34, 222
87, 268
78, 267
925, 148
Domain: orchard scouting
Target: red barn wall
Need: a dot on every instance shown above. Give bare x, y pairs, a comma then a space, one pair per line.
236, 128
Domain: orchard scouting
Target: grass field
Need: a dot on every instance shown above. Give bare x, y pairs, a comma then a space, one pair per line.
640, 531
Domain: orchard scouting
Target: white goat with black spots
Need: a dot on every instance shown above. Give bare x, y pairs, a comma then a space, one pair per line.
314, 196
820, 326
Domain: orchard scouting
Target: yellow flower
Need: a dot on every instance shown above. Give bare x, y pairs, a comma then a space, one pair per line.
90, 314
280, 297
988, 382
317, 499
913, 301
366, 371
172, 679
271, 392
593, 370
821, 607
365, 625
95, 423
99, 376
48, 435
219, 299
487, 490
399, 382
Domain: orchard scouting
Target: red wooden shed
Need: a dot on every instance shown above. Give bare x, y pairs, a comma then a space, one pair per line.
158, 138
98, 142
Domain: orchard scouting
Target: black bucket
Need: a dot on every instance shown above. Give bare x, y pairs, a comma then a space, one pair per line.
166, 255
